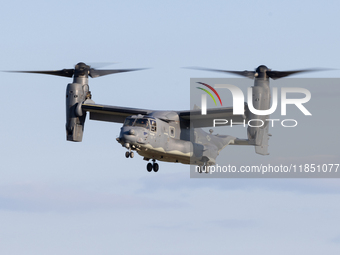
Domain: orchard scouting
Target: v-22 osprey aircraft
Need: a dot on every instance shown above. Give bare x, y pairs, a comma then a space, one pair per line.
170, 136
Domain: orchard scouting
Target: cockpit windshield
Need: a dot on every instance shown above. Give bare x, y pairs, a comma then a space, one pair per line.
142, 123
136, 122
129, 122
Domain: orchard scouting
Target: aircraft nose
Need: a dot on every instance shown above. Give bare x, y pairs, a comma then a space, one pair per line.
127, 138
132, 136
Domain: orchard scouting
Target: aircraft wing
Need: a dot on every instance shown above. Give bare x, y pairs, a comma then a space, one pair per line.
111, 113
192, 118
197, 120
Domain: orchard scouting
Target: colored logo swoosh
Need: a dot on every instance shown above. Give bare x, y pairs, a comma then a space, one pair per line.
213, 90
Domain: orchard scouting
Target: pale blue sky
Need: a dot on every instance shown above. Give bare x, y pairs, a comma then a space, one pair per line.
58, 197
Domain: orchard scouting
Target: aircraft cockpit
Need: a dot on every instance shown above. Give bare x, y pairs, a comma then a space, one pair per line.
141, 122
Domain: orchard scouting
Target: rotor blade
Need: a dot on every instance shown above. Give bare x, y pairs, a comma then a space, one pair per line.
248, 74
280, 74
64, 72
96, 65
94, 73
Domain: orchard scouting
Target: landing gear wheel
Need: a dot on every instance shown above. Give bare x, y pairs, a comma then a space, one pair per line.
206, 169
131, 154
155, 167
149, 167
127, 154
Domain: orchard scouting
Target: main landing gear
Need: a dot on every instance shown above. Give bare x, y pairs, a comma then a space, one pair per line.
129, 154
204, 168
154, 166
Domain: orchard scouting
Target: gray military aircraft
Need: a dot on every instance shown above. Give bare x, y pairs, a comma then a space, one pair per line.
170, 136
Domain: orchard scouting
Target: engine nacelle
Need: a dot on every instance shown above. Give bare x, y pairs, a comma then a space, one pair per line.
258, 131
75, 117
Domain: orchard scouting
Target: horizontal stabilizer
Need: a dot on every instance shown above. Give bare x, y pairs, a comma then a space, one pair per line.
238, 141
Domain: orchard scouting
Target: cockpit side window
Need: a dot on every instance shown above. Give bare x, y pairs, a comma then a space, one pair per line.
142, 123
172, 132
129, 122
153, 125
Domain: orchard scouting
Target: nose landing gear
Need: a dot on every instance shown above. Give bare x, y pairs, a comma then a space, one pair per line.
154, 166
